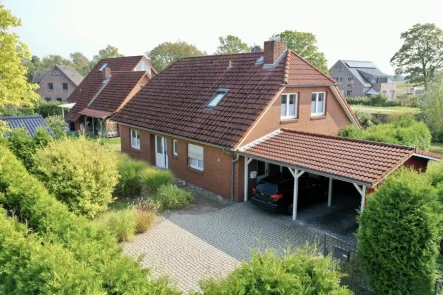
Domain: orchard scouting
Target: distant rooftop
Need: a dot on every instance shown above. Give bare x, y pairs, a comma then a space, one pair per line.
29, 123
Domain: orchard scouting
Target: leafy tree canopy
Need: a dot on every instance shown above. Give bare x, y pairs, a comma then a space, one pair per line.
231, 45
431, 105
305, 44
81, 62
108, 52
14, 87
168, 52
421, 54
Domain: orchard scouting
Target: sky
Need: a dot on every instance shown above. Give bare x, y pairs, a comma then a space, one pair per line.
345, 29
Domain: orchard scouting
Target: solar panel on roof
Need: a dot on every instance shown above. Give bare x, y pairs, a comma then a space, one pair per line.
360, 64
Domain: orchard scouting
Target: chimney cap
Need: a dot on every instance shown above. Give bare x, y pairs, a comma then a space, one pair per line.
275, 37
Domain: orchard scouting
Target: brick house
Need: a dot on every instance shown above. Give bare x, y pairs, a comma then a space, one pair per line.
104, 91
214, 121
58, 83
362, 78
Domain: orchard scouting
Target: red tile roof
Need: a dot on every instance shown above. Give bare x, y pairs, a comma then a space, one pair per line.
95, 113
174, 101
360, 161
92, 83
428, 154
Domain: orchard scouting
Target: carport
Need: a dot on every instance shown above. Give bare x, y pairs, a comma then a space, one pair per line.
363, 163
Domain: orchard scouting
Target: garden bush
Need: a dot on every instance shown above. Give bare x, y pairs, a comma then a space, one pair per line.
23, 146
57, 125
358, 100
130, 182
171, 197
94, 248
144, 218
47, 108
121, 224
377, 100
79, 172
12, 110
366, 119
403, 132
300, 272
398, 235
152, 179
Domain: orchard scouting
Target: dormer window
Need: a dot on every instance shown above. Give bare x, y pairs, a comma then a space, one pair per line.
215, 100
289, 103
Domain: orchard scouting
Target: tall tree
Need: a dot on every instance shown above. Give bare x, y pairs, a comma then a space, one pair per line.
168, 52
14, 87
431, 106
231, 45
421, 54
305, 44
81, 62
34, 64
108, 52
49, 61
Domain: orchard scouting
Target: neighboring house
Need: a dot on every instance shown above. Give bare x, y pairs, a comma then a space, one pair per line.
362, 78
224, 122
29, 123
105, 90
58, 83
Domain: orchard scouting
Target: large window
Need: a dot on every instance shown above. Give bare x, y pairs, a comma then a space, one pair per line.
135, 139
318, 103
175, 147
289, 103
195, 156
50, 87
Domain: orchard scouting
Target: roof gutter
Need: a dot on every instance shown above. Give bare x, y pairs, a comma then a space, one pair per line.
308, 85
176, 136
368, 184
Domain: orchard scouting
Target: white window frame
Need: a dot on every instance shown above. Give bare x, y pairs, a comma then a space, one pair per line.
135, 139
193, 162
174, 147
322, 112
287, 106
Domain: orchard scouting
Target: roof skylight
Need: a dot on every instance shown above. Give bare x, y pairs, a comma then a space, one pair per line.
215, 100
103, 67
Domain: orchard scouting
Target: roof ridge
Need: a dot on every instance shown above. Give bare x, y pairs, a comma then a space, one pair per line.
287, 67
350, 139
20, 117
222, 55
314, 67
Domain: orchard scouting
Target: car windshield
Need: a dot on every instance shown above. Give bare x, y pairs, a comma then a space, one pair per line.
267, 188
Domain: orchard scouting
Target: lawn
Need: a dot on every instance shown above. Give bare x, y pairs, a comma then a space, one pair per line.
436, 147
114, 142
384, 110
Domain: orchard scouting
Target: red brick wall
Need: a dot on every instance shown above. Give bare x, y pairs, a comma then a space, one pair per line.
273, 50
417, 163
216, 176
329, 124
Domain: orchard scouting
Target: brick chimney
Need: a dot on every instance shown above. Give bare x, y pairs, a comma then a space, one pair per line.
106, 73
273, 49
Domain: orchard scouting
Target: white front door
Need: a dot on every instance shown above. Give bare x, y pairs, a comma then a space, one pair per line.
161, 155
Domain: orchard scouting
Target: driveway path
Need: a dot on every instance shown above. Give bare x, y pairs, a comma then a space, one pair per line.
211, 239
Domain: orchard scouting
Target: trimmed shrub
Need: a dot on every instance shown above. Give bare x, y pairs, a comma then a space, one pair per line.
42, 138
377, 100
94, 248
57, 125
366, 119
403, 132
129, 184
359, 100
145, 219
398, 235
23, 146
79, 172
47, 108
152, 179
121, 224
171, 197
299, 272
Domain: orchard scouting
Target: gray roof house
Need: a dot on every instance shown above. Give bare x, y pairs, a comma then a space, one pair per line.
362, 78
29, 123
58, 83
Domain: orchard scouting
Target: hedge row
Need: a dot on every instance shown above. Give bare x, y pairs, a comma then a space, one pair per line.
94, 249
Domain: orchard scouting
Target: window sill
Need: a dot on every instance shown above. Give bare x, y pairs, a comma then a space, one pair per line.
318, 117
135, 149
288, 121
196, 171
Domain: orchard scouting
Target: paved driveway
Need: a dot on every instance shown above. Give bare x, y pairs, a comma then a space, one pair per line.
210, 239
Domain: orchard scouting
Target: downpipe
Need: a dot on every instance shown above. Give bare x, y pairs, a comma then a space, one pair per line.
233, 160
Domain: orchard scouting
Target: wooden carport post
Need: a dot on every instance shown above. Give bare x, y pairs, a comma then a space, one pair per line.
296, 173
330, 192
247, 161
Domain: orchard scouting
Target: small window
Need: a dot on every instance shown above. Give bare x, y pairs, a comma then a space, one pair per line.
348, 93
50, 87
339, 66
350, 80
135, 139
377, 80
215, 100
318, 102
289, 104
175, 147
56, 73
65, 86
59, 99
48, 99
195, 157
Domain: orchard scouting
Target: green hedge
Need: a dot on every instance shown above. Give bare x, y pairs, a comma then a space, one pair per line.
51, 220
403, 132
46, 108
398, 235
